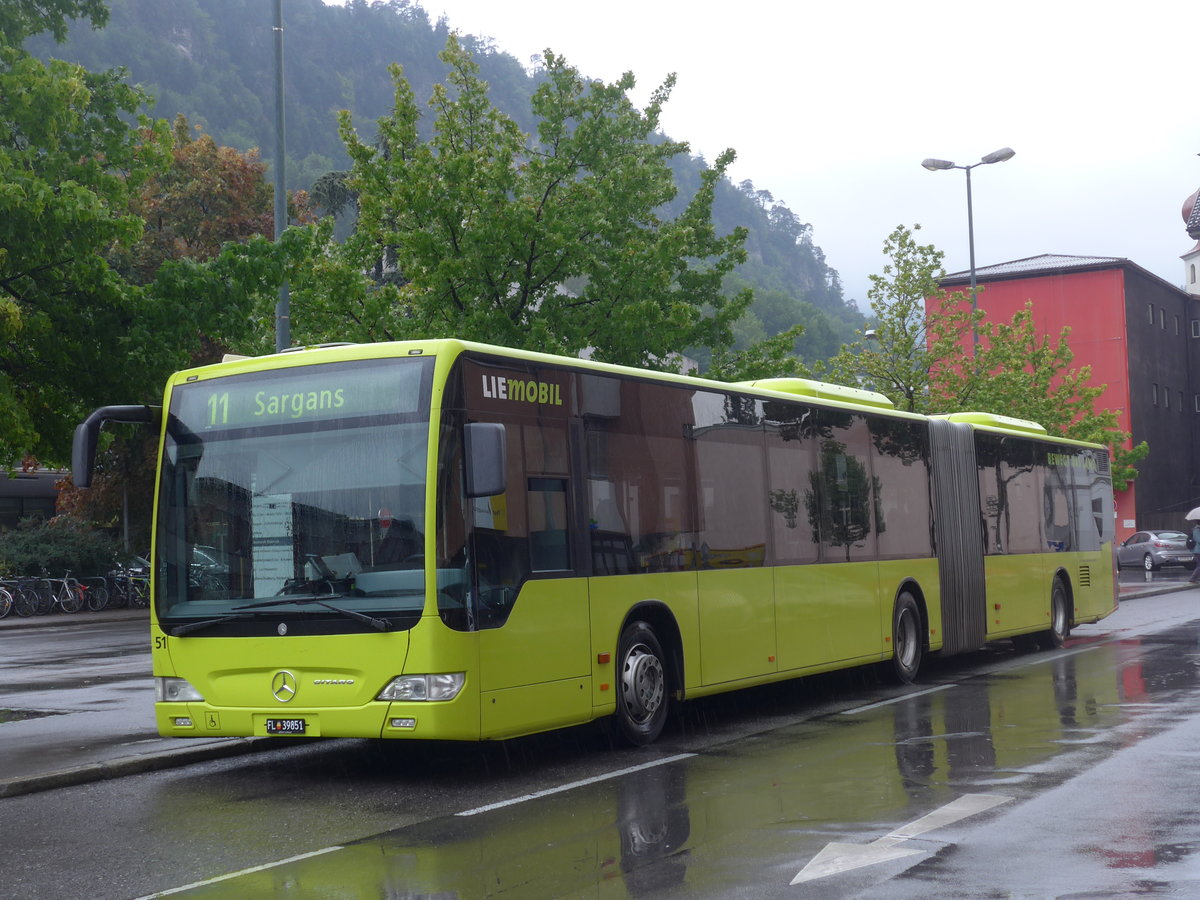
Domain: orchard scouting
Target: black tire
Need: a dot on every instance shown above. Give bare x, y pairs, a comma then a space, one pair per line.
908, 639
43, 592
69, 598
97, 597
642, 695
24, 602
1148, 563
1060, 619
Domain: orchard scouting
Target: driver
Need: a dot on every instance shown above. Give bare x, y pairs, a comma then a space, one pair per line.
401, 541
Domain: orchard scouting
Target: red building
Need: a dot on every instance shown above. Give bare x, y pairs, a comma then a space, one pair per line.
1141, 336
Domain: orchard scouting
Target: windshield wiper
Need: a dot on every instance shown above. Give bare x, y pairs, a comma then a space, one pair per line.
377, 624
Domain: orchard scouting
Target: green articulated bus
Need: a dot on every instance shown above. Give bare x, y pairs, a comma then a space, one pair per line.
455, 541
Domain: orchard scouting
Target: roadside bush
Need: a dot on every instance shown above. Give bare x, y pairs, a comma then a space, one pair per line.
56, 546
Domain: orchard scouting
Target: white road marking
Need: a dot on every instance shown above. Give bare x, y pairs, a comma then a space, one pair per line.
574, 784
900, 699
836, 858
252, 869
998, 669
470, 812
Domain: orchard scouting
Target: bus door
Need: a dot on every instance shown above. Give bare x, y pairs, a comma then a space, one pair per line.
531, 605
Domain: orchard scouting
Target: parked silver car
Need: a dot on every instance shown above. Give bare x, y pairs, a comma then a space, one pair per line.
1151, 549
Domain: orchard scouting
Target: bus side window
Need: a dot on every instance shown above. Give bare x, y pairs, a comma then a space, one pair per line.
548, 546
641, 499
847, 488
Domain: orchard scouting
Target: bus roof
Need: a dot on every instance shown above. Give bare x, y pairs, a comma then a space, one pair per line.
823, 393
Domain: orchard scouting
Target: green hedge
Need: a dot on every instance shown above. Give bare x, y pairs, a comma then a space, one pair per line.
56, 546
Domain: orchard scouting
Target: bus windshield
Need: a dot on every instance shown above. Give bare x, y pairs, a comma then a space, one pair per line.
296, 492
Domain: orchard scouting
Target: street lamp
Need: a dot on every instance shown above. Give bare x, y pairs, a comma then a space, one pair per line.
283, 306
934, 165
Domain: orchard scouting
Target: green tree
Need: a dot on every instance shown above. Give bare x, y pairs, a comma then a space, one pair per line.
901, 351
20, 19
69, 163
1029, 375
553, 243
951, 359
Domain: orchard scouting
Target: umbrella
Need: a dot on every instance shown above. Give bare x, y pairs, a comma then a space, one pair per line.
1194, 514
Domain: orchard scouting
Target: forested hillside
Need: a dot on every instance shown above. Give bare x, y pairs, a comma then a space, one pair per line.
213, 62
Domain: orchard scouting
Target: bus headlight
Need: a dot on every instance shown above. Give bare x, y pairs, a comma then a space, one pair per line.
423, 687
174, 690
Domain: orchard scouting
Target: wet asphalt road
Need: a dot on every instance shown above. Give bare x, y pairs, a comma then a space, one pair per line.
1086, 758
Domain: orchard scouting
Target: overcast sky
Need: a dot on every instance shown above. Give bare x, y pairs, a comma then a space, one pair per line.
832, 106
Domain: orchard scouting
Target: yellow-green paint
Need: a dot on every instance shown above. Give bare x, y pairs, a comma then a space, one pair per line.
829, 615
554, 662
1019, 589
1018, 595
737, 624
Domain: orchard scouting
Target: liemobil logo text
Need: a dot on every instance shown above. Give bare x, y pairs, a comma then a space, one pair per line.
520, 390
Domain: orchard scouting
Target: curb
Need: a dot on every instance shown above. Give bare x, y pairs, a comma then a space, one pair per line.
132, 765
1160, 589
13, 622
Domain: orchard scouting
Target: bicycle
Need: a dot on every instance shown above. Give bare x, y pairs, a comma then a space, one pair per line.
95, 592
67, 593
128, 589
24, 600
38, 596
6, 601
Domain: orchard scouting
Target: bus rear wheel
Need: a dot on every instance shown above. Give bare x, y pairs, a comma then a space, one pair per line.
1060, 619
907, 644
642, 699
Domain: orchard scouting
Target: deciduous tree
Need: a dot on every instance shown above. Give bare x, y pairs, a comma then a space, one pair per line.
944, 357
553, 241
69, 162
208, 196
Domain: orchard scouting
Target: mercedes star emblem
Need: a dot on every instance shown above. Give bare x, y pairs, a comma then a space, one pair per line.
283, 686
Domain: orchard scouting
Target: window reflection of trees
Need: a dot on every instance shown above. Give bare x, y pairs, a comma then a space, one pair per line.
841, 491
1009, 494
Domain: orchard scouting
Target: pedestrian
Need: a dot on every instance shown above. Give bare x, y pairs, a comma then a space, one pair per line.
1194, 545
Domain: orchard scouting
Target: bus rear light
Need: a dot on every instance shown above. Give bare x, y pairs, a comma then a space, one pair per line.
423, 687
175, 690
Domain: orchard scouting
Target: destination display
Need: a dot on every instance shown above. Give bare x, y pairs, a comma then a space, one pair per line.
316, 393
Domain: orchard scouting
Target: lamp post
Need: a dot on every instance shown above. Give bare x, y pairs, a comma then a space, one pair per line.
283, 312
934, 165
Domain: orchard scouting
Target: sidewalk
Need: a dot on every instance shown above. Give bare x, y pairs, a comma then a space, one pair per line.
76, 745
13, 622
88, 727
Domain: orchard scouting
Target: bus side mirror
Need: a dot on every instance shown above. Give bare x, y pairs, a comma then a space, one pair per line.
83, 448
484, 451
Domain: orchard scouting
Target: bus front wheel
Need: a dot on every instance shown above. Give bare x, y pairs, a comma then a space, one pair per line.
642, 699
907, 643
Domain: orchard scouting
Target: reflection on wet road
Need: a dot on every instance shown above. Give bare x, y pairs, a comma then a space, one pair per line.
744, 818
